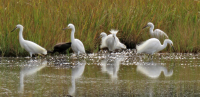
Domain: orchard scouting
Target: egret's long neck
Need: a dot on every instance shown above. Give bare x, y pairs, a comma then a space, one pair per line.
104, 37
20, 34
151, 29
72, 34
164, 45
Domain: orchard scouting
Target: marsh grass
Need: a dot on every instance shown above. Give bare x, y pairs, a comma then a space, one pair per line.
43, 21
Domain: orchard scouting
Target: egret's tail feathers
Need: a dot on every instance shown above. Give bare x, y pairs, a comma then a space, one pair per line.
166, 35
44, 52
113, 31
139, 47
123, 46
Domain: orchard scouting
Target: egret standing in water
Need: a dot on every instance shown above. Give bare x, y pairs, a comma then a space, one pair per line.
76, 44
29, 46
157, 33
152, 46
103, 36
111, 41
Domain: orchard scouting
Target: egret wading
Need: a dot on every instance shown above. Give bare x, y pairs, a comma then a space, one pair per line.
76, 44
29, 46
103, 36
152, 46
157, 33
61, 47
111, 41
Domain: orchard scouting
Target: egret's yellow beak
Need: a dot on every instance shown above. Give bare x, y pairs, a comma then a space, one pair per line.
14, 29
66, 28
145, 26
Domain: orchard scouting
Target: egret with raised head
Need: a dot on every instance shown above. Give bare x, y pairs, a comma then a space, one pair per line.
76, 44
103, 36
157, 33
29, 46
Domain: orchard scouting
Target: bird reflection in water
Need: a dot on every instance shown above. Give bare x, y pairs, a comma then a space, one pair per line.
153, 70
77, 72
111, 66
30, 69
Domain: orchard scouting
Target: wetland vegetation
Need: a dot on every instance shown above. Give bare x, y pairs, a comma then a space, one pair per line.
44, 20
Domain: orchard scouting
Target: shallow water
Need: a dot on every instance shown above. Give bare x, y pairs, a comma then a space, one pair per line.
102, 74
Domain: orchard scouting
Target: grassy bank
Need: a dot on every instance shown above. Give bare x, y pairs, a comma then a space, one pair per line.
43, 21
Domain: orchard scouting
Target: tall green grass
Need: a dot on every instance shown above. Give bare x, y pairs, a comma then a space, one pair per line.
43, 21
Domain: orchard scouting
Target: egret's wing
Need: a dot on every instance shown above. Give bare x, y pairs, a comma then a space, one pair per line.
80, 45
149, 45
110, 42
33, 47
103, 43
119, 44
159, 33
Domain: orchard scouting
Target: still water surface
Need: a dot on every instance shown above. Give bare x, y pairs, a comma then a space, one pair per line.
101, 74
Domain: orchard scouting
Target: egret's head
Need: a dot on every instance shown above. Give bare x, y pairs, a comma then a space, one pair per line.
149, 24
103, 34
17, 26
171, 43
70, 26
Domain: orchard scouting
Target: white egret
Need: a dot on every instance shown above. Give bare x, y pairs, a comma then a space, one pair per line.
119, 44
103, 36
29, 46
157, 33
76, 44
152, 46
112, 42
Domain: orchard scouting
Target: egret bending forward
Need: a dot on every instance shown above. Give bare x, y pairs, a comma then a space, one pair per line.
152, 46
76, 44
157, 33
111, 41
29, 46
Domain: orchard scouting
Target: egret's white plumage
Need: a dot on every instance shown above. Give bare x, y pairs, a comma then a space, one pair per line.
119, 45
152, 46
76, 45
157, 33
103, 36
111, 41
29, 46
